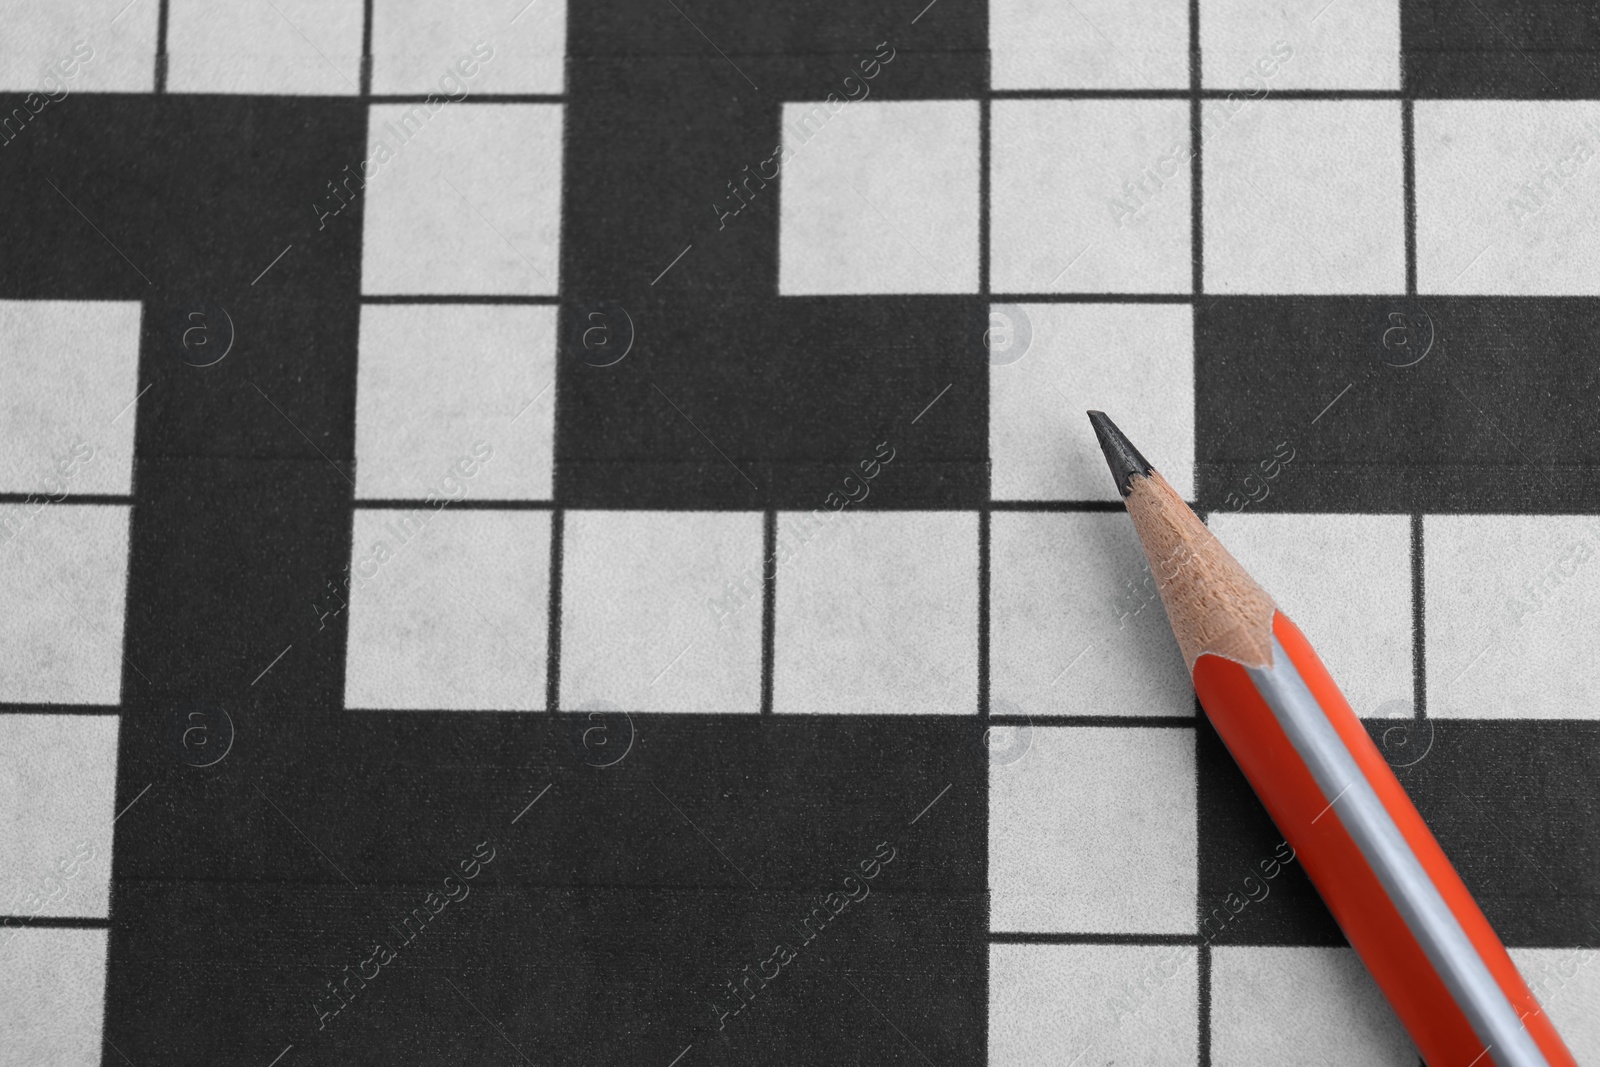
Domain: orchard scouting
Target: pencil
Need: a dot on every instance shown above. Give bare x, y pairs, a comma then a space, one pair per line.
1389, 885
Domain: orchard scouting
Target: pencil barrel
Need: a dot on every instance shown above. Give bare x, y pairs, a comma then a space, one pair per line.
1400, 902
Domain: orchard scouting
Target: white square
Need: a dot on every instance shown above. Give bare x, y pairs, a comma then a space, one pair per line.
68, 563
1093, 830
462, 198
70, 372
1566, 982
1301, 1007
1508, 197
1076, 626
879, 198
451, 612
52, 997
1304, 196
1093, 1004
456, 401
58, 784
302, 47
1345, 580
79, 46
1090, 196
1133, 361
476, 46
1510, 603
1089, 44
877, 614
1270, 45
644, 621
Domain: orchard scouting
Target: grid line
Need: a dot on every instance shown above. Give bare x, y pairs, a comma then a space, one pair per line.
162, 19
983, 615
1419, 672
55, 922
365, 77
553, 627
452, 298
72, 498
1197, 283
769, 604
1408, 156
1186, 94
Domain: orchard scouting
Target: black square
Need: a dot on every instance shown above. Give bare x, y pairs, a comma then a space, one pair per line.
769, 402
623, 897
1440, 404
1502, 49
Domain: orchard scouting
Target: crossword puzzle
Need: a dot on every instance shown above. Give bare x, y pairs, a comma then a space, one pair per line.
400, 465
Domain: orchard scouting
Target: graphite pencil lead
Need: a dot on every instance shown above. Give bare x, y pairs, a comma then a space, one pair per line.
1123, 459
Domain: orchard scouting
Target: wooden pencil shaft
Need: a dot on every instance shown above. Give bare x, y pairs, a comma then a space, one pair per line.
1214, 605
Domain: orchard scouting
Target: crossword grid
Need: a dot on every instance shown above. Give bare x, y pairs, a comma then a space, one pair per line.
1020, 957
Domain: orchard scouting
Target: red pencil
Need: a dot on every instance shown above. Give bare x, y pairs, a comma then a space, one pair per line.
1402, 906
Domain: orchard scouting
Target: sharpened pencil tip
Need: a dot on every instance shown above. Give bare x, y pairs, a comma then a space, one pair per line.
1123, 459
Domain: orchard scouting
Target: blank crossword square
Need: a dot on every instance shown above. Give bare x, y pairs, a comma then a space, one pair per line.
1566, 982
71, 371
1507, 197
305, 47
448, 610
79, 46
1076, 625
1267, 45
648, 619
1133, 361
1507, 600
1093, 830
455, 401
52, 996
1090, 196
473, 46
1305, 1007
1345, 580
464, 198
1089, 44
877, 613
1304, 196
1093, 1004
879, 198
58, 784
69, 564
